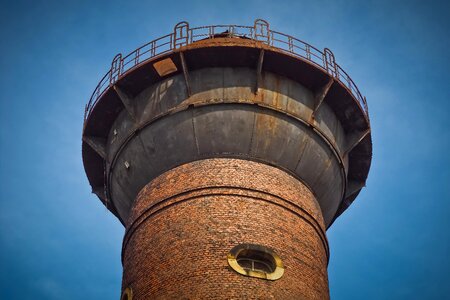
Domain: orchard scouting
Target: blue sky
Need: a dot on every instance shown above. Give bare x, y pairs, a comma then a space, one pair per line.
58, 242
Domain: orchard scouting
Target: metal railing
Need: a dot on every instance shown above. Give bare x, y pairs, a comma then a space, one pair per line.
183, 36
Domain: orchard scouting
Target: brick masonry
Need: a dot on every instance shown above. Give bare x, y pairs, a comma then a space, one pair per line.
184, 223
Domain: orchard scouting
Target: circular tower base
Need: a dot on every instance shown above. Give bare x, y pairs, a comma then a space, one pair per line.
185, 224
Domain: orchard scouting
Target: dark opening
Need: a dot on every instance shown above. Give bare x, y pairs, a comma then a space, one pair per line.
254, 260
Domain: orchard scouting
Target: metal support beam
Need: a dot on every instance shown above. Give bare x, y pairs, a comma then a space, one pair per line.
320, 96
100, 192
259, 70
127, 102
97, 144
353, 186
354, 140
186, 74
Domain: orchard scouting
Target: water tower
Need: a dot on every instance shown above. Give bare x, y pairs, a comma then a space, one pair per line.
226, 152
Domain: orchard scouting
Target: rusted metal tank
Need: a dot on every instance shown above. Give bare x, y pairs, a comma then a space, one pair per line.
234, 93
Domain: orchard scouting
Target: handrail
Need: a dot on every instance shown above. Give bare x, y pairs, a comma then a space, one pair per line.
260, 31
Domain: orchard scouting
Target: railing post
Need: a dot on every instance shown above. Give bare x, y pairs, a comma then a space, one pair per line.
86, 108
136, 56
210, 32
261, 31
116, 66
230, 31
153, 48
180, 35
330, 63
291, 44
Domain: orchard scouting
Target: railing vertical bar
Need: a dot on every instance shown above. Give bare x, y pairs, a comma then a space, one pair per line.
136, 57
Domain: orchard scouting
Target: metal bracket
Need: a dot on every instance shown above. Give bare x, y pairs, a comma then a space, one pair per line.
353, 186
98, 144
100, 192
185, 73
355, 139
259, 70
127, 102
320, 96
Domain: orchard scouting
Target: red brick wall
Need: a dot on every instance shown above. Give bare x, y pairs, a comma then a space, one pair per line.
184, 223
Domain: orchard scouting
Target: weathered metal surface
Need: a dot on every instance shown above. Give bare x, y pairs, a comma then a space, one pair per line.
218, 121
306, 121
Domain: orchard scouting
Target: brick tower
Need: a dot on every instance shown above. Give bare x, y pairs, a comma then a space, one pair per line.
226, 152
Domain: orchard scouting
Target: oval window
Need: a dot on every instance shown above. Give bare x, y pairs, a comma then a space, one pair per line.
127, 294
256, 261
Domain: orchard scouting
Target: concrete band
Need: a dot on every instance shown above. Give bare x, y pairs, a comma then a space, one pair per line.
184, 223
